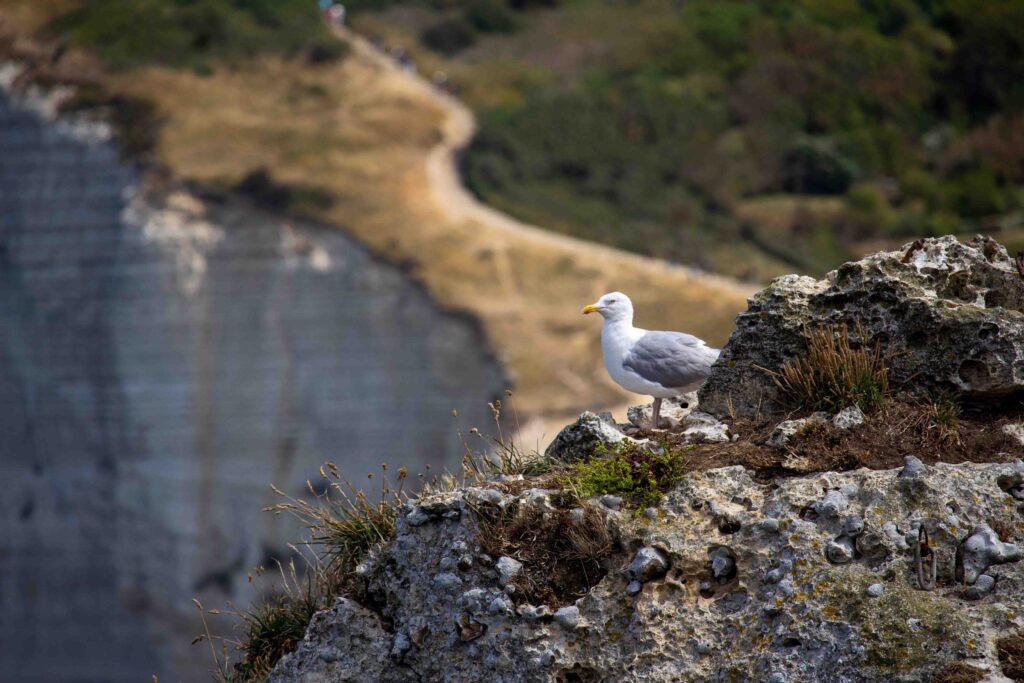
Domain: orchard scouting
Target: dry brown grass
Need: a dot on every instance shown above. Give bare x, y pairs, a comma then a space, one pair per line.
562, 557
1011, 656
834, 374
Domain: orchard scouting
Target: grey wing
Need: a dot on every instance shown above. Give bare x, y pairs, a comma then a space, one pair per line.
672, 359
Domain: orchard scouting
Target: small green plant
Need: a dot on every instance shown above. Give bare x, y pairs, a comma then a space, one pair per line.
833, 374
273, 627
631, 470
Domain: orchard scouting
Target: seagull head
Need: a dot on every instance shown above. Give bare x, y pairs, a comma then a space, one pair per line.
612, 306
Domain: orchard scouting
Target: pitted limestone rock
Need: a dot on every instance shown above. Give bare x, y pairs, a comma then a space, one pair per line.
673, 411
951, 313
981, 550
761, 595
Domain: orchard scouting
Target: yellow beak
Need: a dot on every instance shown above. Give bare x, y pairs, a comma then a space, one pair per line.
592, 308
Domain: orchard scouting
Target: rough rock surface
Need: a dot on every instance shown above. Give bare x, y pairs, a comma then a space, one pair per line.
815, 580
581, 439
673, 411
951, 313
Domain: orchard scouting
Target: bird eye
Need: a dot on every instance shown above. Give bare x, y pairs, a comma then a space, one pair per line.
611, 301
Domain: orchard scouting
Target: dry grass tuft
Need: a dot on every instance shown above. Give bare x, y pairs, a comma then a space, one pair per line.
1011, 656
342, 520
833, 374
959, 672
564, 554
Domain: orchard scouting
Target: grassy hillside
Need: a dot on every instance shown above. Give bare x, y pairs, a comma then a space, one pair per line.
754, 137
354, 142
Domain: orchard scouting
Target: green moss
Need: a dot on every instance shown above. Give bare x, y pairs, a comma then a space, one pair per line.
893, 645
630, 470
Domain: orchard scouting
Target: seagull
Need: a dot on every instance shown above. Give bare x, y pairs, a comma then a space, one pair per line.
658, 364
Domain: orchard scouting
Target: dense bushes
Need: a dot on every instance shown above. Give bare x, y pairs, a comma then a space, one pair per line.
191, 33
908, 110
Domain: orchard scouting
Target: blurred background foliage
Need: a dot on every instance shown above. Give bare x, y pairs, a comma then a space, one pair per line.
193, 33
748, 137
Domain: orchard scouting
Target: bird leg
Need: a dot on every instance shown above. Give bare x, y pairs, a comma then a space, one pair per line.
656, 413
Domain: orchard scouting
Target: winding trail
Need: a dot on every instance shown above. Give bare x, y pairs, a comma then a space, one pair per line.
459, 204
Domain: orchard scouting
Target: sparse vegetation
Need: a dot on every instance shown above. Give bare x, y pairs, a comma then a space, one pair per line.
563, 556
834, 374
501, 454
631, 470
944, 415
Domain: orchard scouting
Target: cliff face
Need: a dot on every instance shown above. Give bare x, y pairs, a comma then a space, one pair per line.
162, 361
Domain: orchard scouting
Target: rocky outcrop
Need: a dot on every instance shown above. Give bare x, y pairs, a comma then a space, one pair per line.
950, 315
162, 361
801, 579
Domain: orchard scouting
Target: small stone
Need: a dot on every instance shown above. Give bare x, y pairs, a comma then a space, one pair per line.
774, 576
703, 648
875, 590
833, 504
982, 587
465, 563
568, 617
768, 526
634, 587
499, 605
532, 613
469, 628
787, 430
648, 564
447, 581
912, 467
848, 418
981, 550
577, 515
704, 428
840, 551
786, 587
611, 502
777, 677
854, 526
417, 517
723, 564
452, 514
507, 569
914, 624
583, 439
651, 514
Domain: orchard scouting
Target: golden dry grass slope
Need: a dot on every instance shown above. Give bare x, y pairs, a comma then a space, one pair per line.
381, 142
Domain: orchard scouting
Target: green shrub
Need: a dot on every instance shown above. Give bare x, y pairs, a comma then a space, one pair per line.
630, 470
191, 33
448, 36
490, 16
